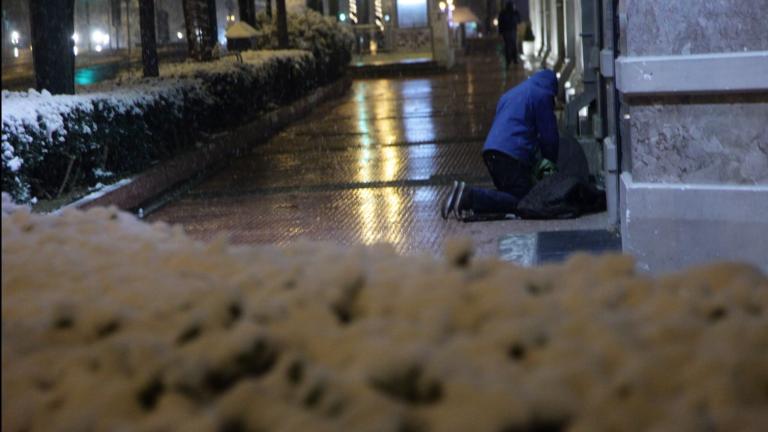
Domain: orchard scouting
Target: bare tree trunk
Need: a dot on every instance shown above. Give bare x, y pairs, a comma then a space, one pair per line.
282, 25
214, 28
148, 39
128, 25
53, 23
201, 30
117, 20
212, 23
247, 11
88, 22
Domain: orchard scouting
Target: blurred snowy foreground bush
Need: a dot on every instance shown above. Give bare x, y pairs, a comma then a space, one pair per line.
113, 324
51, 144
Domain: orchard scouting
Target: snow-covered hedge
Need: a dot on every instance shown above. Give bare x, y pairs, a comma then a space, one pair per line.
329, 41
111, 324
53, 143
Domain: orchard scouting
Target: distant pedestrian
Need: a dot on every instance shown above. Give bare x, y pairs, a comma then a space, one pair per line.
524, 124
508, 20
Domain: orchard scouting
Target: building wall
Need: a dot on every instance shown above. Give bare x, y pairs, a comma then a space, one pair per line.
695, 187
659, 27
699, 139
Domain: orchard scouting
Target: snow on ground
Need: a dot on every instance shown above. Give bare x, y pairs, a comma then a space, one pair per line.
109, 323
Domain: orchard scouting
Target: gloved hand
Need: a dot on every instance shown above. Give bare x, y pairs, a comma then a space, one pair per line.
542, 169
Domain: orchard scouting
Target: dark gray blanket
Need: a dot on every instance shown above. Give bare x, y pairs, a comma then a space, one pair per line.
566, 194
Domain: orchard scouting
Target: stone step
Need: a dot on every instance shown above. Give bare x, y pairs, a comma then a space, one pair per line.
406, 68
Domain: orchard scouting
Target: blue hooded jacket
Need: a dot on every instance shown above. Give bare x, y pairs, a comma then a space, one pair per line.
525, 120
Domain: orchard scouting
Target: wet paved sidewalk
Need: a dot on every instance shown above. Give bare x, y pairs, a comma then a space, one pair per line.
368, 168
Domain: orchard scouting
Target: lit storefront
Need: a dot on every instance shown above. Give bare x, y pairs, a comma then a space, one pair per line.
389, 25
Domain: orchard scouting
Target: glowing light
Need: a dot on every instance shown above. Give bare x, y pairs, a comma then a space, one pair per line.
378, 14
342, 17
179, 35
387, 18
76, 37
15, 52
75, 50
99, 38
568, 84
442, 6
15, 36
453, 8
495, 22
98, 48
353, 11
230, 18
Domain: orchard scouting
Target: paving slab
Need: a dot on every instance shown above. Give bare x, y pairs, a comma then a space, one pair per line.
371, 167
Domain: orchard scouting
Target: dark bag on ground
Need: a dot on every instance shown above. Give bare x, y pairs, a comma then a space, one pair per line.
566, 194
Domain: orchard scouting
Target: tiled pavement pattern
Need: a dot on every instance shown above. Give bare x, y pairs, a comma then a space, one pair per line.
370, 167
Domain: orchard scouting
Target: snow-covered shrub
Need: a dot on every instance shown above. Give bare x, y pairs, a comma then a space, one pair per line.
53, 143
116, 325
329, 41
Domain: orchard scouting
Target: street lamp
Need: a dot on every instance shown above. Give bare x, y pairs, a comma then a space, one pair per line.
99, 38
15, 38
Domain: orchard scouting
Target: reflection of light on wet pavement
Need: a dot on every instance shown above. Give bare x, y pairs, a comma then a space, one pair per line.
362, 114
367, 208
471, 99
417, 128
387, 134
382, 113
382, 205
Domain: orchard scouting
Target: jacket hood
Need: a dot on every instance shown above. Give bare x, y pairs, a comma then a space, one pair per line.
546, 80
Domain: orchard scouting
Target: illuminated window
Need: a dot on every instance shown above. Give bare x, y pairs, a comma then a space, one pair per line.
412, 13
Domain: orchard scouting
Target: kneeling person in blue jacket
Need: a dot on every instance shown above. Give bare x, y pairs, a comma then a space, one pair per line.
524, 124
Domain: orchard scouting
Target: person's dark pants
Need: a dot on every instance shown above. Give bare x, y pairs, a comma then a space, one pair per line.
510, 46
512, 179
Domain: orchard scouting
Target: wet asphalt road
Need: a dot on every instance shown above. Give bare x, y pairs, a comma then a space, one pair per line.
370, 167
